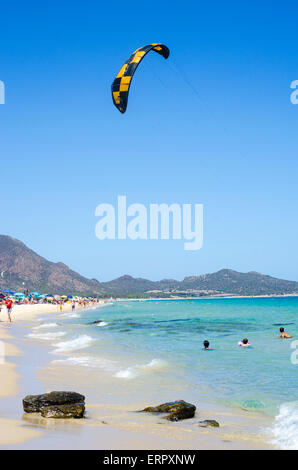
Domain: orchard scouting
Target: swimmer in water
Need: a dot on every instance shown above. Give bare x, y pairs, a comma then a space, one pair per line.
244, 343
283, 334
206, 345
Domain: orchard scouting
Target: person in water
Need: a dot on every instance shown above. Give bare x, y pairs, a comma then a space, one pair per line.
206, 345
283, 334
244, 343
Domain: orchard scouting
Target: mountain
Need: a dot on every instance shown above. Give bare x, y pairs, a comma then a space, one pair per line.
22, 269
25, 269
126, 285
233, 282
225, 281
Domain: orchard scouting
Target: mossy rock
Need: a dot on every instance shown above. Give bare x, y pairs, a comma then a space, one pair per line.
36, 403
75, 411
208, 423
177, 410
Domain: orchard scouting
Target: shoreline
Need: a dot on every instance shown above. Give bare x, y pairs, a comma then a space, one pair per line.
12, 431
205, 297
15, 431
127, 430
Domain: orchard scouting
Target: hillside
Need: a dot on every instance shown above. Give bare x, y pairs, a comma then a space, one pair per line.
225, 281
24, 269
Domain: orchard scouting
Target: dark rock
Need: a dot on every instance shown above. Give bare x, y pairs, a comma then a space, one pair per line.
36, 403
178, 410
209, 422
75, 410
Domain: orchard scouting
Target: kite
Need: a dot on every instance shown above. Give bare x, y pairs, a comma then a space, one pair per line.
121, 84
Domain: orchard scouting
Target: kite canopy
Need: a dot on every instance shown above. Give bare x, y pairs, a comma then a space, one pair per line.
121, 84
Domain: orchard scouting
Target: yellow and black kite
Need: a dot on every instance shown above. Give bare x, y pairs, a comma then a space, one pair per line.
121, 84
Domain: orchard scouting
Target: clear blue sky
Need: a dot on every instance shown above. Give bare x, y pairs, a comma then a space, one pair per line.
233, 147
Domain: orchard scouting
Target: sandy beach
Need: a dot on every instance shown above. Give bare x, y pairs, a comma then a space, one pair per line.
30, 312
12, 431
15, 431
111, 419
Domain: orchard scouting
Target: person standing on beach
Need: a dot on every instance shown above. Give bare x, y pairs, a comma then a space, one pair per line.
283, 334
73, 306
61, 306
8, 303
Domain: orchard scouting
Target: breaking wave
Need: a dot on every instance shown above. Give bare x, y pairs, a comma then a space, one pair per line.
153, 366
47, 336
86, 361
103, 323
81, 342
45, 325
285, 427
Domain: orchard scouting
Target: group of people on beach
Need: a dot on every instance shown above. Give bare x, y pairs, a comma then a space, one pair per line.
246, 344
80, 302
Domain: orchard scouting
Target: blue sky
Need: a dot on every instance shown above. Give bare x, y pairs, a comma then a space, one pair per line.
230, 145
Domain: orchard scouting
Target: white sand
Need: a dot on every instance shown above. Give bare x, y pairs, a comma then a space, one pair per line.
29, 312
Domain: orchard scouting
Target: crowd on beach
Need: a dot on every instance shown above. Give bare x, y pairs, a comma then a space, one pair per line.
8, 299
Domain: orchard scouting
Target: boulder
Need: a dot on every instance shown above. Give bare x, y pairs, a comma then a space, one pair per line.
208, 422
177, 410
64, 411
37, 403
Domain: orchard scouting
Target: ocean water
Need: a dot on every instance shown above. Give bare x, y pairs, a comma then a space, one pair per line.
158, 345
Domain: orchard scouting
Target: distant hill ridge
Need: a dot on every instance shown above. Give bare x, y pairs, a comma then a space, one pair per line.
23, 268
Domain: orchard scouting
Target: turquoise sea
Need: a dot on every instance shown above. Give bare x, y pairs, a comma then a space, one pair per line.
159, 344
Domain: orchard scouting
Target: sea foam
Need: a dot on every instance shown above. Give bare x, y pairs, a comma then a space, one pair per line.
81, 342
47, 336
285, 427
86, 361
45, 325
70, 315
102, 323
153, 366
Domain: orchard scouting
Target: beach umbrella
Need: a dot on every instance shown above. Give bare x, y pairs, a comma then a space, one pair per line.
36, 294
50, 298
8, 292
19, 294
56, 297
63, 296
